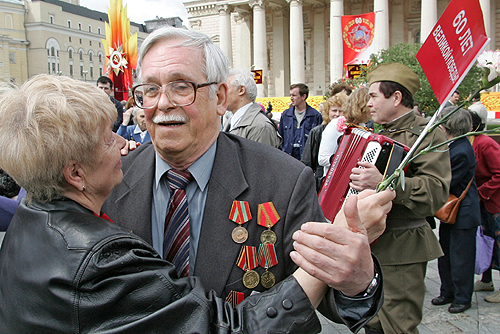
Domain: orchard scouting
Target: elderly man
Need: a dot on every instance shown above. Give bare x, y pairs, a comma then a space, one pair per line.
138, 132
248, 121
229, 222
408, 242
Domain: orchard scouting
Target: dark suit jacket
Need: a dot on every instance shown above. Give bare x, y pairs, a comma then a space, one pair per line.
237, 174
463, 166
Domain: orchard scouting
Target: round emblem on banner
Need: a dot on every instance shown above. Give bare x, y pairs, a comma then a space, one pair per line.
358, 34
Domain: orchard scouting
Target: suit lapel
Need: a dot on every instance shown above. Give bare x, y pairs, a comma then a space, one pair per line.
137, 186
217, 252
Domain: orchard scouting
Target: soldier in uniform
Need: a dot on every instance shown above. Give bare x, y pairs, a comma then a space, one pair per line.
408, 242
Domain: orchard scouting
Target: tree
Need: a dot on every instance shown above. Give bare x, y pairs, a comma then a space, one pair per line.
406, 54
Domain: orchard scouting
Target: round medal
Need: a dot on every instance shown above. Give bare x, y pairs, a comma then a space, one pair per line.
251, 279
268, 237
239, 234
267, 280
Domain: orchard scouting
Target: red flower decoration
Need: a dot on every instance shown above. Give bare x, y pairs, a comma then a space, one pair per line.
341, 124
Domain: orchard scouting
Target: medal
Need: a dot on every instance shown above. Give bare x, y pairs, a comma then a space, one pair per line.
250, 279
240, 214
234, 298
267, 217
268, 280
267, 258
247, 260
268, 237
239, 234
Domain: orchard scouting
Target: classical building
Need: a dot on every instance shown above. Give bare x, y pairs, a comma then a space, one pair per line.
53, 36
301, 40
13, 42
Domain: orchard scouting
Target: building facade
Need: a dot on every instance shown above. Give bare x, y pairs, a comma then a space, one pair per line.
55, 37
296, 41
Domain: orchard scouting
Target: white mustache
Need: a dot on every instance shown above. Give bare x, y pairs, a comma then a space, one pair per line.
165, 118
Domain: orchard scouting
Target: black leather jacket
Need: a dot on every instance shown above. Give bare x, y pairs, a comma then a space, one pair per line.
64, 270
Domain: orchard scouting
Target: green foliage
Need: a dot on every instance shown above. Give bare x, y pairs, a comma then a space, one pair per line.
406, 54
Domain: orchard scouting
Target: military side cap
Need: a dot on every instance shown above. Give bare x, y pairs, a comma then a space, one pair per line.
398, 73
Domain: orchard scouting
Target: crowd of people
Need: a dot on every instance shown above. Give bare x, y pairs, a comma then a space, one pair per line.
212, 224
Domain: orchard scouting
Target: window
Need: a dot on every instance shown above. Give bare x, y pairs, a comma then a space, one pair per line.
70, 54
69, 24
99, 30
9, 23
90, 43
51, 19
70, 70
52, 52
90, 28
91, 58
81, 54
100, 57
80, 41
79, 26
91, 72
81, 70
99, 44
70, 39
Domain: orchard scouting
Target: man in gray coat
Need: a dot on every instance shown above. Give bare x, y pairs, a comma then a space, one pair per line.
248, 121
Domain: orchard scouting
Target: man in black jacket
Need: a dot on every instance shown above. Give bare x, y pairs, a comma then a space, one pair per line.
106, 85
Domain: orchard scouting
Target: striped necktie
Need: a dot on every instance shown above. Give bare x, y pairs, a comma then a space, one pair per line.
176, 238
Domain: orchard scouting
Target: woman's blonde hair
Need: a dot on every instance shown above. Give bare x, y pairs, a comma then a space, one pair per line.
356, 110
338, 99
46, 123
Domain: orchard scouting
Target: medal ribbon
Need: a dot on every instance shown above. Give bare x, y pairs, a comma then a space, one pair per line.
267, 256
240, 212
234, 298
267, 215
247, 260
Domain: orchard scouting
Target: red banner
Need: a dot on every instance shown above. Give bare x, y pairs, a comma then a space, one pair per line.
357, 34
452, 46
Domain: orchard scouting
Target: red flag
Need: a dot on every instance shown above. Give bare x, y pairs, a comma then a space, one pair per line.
357, 34
452, 46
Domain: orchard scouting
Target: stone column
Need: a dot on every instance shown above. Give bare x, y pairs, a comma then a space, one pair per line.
297, 63
428, 18
225, 31
319, 50
281, 57
485, 6
397, 21
259, 43
336, 47
381, 38
243, 57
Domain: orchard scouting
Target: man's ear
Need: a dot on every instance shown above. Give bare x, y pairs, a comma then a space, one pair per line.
74, 175
222, 99
242, 90
398, 98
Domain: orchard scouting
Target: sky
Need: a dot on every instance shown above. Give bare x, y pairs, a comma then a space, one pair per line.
139, 11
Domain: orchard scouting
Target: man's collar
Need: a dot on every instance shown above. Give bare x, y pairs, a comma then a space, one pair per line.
200, 169
400, 121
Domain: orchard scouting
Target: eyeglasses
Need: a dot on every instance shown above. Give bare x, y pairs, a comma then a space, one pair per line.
180, 93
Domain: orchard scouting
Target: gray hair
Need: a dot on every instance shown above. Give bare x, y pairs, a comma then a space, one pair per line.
246, 79
44, 125
216, 64
459, 123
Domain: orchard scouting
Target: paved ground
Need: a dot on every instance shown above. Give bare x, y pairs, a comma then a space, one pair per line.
481, 318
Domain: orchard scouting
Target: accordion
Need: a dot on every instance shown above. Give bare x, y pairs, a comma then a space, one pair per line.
357, 145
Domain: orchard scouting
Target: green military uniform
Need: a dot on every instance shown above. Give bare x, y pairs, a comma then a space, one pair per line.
408, 242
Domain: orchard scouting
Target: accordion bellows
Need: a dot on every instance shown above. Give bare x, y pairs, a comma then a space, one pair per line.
357, 145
